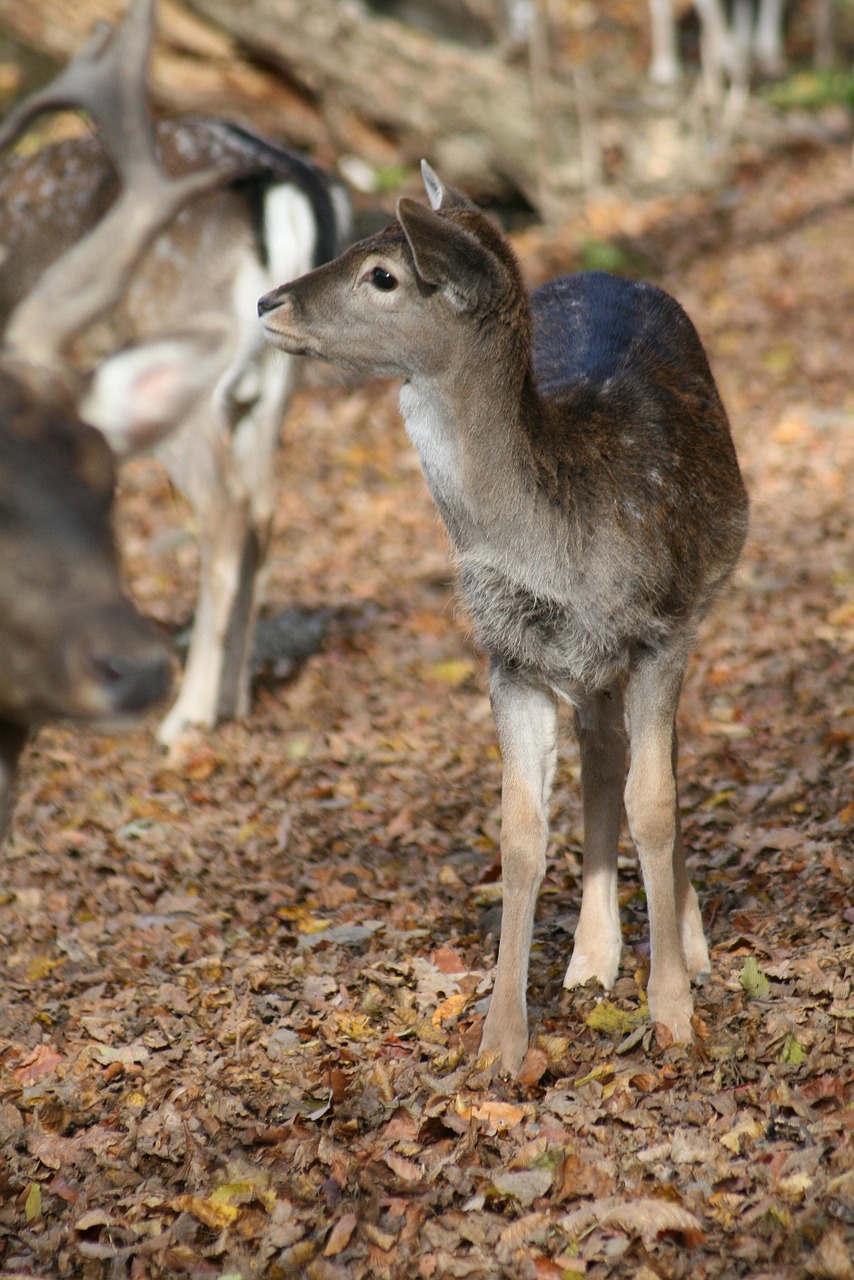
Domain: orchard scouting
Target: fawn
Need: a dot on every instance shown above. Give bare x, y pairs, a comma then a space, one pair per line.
579, 454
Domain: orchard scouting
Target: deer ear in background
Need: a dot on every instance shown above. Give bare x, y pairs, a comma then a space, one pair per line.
138, 396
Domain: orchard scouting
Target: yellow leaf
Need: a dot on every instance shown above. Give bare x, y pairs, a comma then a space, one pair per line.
750, 1129
796, 1184
304, 920
238, 1193
601, 1072
33, 1202
778, 360
41, 966
215, 1216
754, 981
609, 1018
454, 672
450, 1008
354, 1026
793, 1052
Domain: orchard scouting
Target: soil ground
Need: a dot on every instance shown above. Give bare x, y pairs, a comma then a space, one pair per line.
242, 990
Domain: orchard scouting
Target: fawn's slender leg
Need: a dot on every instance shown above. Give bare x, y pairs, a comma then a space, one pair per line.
651, 806
526, 720
602, 742
694, 945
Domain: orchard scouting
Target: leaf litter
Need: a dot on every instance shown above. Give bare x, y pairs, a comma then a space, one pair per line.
243, 990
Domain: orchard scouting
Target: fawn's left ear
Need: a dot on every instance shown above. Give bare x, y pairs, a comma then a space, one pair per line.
448, 256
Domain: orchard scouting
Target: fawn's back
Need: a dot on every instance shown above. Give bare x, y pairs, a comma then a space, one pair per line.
637, 511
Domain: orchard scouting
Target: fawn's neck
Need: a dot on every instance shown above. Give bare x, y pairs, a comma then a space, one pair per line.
469, 426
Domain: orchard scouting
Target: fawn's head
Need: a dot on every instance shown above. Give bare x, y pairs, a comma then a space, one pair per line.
409, 300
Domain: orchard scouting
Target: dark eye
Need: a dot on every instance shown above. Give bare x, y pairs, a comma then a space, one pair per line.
382, 279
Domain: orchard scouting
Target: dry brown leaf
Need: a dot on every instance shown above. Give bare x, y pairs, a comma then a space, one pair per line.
407, 1170
447, 960
534, 1065
43, 1060
340, 1235
647, 1218
501, 1115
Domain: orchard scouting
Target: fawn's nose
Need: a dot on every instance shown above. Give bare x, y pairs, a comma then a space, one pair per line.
275, 301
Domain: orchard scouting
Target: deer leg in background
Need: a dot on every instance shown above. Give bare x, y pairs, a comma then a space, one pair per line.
602, 742
201, 465
526, 720
13, 738
652, 695
226, 475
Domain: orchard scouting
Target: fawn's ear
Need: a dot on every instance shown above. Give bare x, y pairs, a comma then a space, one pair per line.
141, 394
447, 256
440, 196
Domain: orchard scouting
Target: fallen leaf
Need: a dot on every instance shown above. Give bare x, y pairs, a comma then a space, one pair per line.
534, 1065
33, 1202
406, 1170
43, 1060
340, 1235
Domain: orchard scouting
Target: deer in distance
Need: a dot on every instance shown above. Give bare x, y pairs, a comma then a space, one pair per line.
578, 452
77, 222
177, 362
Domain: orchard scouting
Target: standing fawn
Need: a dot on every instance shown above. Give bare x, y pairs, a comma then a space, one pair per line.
180, 363
579, 454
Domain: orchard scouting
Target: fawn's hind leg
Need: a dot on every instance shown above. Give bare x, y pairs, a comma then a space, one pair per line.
602, 743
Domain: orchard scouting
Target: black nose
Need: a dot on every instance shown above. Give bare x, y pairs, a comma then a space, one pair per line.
134, 683
268, 303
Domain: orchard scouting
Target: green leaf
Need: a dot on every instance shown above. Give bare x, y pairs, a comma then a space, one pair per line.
33, 1202
754, 981
793, 1052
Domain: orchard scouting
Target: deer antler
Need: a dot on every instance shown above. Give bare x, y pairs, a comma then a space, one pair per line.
108, 80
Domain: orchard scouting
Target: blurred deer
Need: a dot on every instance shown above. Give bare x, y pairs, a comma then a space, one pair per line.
71, 644
579, 454
180, 363
733, 39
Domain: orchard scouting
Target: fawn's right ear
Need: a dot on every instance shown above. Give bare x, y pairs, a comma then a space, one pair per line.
442, 197
448, 256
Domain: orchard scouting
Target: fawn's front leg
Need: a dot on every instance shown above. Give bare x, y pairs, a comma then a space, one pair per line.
602, 744
526, 720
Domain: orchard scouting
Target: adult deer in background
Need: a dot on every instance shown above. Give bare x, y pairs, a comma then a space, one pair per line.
197, 380
577, 449
71, 644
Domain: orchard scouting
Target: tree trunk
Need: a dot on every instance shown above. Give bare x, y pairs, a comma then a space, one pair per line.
467, 110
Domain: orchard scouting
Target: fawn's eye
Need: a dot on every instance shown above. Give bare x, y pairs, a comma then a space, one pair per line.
382, 279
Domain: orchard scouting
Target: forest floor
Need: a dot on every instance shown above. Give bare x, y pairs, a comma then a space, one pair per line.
242, 990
